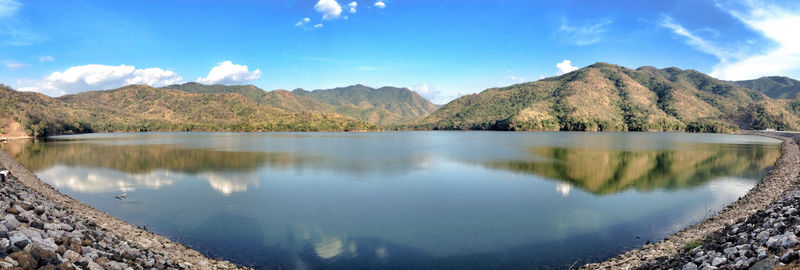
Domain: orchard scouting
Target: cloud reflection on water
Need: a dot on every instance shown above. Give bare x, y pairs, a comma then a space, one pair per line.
93, 180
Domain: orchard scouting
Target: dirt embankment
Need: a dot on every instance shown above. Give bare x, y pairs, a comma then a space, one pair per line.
11, 129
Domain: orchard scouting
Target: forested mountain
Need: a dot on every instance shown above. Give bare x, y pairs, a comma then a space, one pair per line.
280, 99
385, 105
606, 97
144, 108
773, 86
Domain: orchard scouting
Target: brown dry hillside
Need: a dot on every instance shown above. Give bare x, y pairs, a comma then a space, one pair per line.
606, 97
144, 108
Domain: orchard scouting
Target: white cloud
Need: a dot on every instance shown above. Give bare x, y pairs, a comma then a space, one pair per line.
429, 92
380, 4
46, 58
229, 73
694, 40
96, 77
773, 22
586, 34
423, 89
352, 6
330, 9
565, 67
303, 21
14, 64
515, 78
8, 8
318, 25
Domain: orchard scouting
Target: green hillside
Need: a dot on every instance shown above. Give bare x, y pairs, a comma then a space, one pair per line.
385, 105
382, 106
773, 86
606, 97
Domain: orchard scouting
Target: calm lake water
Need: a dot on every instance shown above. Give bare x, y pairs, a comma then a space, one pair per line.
405, 200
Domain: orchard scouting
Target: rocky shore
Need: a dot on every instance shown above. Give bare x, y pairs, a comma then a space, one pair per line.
758, 231
41, 228
767, 239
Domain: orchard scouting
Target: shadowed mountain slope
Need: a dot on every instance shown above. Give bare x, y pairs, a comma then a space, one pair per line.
773, 86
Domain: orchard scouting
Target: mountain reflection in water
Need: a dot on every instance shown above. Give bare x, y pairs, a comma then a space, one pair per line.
606, 171
599, 171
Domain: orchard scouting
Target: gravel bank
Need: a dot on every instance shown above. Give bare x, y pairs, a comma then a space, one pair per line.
732, 239
41, 228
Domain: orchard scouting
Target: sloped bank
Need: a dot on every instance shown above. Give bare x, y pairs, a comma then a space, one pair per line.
41, 227
776, 189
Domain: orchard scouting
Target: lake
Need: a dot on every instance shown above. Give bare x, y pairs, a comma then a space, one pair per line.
405, 200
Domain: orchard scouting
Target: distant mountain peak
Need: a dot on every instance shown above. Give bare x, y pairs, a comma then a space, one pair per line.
773, 86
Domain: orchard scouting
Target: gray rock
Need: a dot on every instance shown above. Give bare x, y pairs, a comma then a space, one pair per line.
29, 215
10, 222
46, 244
29, 232
730, 252
742, 264
762, 236
762, 253
706, 266
700, 259
72, 256
788, 256
765, 264
94, 266
689, 266
14, 237
51, 226
716, 262
66, 227
112, 265
743, 253
789, 241
774, 241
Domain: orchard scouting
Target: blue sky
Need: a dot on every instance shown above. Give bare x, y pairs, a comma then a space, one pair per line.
441, 49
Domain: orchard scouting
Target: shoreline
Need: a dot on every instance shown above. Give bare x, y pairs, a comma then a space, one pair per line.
97, 226
781, 179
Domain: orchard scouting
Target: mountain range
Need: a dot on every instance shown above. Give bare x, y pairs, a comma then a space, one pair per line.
600, 97
607, 97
